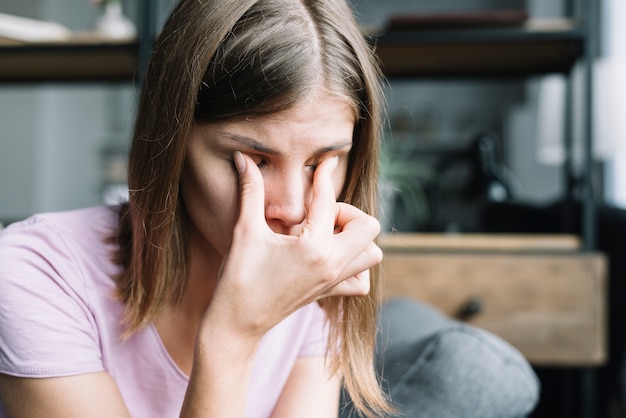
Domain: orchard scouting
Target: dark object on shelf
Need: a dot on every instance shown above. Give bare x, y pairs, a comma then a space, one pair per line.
482, 167
470, 309
444, 21
462, 181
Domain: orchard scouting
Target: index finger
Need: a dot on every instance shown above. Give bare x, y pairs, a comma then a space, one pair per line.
321, 215
251, 191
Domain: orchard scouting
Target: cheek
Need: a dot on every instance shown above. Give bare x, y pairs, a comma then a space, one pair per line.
211, 199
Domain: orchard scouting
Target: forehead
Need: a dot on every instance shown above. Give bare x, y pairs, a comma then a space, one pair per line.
322, 119
317, 109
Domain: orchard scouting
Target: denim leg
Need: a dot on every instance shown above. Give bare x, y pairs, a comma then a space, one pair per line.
433, 366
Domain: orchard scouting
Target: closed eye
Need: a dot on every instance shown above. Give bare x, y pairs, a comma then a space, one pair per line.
313, 166
259, 160
342, 153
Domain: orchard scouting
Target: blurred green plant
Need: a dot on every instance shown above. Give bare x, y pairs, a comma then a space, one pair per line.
402, 180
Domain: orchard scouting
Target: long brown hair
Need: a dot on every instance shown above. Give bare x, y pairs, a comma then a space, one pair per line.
225, 59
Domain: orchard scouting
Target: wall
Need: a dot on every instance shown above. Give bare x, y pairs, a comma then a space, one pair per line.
53, 134
447, 114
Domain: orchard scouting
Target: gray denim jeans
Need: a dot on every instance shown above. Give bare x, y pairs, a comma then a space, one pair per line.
435, 367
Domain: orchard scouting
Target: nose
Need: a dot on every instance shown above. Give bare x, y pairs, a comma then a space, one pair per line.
286, 201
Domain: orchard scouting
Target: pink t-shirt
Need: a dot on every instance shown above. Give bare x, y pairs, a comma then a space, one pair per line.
58, 317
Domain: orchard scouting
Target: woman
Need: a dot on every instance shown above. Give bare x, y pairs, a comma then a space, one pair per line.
241, 277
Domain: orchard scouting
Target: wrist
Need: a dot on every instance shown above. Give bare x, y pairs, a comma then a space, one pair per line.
222, 342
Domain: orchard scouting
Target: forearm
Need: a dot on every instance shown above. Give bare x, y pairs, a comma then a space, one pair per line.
220, 377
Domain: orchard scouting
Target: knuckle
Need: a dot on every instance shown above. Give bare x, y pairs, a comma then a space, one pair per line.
363, 289
319, 259
243, 228
377, 253
315, 256
374, 225
362, 285
328, 277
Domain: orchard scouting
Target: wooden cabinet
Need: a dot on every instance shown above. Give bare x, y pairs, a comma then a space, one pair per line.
540, 293
537, 292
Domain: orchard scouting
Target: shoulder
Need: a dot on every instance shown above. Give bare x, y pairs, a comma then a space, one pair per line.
58, 255
54, 270
53, 239
80, 223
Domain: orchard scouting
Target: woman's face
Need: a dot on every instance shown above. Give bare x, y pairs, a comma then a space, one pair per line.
286, 147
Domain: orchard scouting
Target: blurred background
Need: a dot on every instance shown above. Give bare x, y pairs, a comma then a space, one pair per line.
63, 143
462, 152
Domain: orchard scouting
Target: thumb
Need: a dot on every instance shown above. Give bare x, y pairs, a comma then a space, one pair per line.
251, 190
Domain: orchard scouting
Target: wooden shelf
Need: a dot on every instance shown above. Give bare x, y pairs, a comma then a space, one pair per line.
83, 58
539, 47
465, 242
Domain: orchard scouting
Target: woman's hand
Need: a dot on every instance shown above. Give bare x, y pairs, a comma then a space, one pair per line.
266, 276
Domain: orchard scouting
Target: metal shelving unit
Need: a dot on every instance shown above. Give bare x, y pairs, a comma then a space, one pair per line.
84, 58
534, 49
526, 51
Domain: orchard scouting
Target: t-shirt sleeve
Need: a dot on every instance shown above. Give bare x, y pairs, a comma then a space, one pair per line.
46, 325
316, 338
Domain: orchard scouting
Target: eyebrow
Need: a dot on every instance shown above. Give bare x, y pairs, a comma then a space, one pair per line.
261, 148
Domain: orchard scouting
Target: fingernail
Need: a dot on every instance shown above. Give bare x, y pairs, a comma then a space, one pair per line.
240, 162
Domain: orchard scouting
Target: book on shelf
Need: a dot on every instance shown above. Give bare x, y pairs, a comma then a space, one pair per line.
22, 29
460, 20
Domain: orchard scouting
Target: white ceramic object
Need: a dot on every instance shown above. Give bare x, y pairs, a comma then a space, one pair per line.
113, 24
